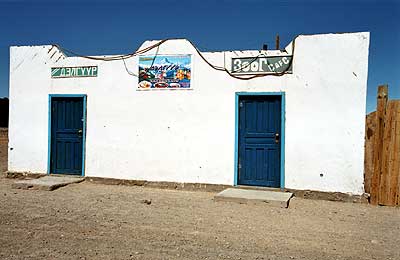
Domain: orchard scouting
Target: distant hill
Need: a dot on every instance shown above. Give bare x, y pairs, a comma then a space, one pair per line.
4, 112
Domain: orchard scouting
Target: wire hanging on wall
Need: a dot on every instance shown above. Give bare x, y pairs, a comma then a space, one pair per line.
123, 57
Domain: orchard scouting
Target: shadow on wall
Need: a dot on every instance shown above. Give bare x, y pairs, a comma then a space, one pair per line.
3, 112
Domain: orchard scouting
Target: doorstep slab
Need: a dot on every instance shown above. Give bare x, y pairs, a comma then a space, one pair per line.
273, 198
46, 183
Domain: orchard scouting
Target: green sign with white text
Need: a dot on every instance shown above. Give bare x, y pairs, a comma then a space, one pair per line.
74, 72
262, 65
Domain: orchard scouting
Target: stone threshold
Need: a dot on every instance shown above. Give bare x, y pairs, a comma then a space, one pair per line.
304, 194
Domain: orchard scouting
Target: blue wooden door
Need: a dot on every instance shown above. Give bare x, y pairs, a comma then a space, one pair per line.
67, 117
259, 140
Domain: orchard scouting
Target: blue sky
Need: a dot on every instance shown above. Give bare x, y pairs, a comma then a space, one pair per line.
116, 27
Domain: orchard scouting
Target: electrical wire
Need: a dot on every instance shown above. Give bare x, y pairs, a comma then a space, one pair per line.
158, 44
127, 70
152, 63
114, 57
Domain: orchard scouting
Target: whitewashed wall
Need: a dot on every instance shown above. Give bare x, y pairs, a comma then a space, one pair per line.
189, 135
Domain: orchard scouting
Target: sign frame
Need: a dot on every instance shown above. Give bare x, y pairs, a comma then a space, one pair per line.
288, 70
73, 72
173, 66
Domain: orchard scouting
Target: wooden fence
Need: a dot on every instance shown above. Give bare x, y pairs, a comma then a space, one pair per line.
382, 151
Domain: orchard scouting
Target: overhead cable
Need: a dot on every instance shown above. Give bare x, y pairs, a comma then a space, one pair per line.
159, 43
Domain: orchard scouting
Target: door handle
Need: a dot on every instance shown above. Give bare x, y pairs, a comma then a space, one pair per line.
276, 138
80, 132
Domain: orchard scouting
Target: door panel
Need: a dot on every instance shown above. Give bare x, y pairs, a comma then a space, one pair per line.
259, 140
67, 117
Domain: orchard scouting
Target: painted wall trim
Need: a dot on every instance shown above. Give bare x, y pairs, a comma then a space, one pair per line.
237, 95
84, 96
283, 119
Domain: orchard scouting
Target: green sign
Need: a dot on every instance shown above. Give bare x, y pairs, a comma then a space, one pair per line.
74, 72
262, 65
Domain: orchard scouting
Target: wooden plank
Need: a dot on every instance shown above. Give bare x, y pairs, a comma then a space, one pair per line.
395, 150
394, 188
370, 128
390, 167
378, 142
387, 154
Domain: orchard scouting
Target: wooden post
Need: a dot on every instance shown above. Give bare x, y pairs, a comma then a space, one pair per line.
394, 163
378, 142
387, 152
277, 45
370, 128
397, 195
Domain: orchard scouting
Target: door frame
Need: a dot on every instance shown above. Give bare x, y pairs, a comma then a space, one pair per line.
236, 160
84, 97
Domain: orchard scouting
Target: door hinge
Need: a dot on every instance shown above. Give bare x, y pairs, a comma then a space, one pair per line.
240, 166
241, 104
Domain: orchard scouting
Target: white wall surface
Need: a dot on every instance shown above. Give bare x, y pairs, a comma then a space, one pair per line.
189, 135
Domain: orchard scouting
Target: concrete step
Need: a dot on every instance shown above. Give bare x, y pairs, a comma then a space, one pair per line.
49, 182
272, 198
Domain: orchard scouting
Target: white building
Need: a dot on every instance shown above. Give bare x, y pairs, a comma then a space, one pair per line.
303, 129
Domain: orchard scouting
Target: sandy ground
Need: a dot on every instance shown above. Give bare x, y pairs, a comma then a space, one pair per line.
93, 221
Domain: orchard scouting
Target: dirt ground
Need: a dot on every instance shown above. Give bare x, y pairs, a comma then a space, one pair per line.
93, 221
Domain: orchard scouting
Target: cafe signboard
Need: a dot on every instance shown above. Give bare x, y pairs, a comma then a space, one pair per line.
74, 72
262, 65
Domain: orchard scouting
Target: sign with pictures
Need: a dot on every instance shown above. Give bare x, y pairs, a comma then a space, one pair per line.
164, 72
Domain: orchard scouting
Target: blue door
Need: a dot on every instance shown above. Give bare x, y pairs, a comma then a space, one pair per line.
259, 141
67, 116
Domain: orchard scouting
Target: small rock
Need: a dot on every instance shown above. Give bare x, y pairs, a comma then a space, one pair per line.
148, 202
